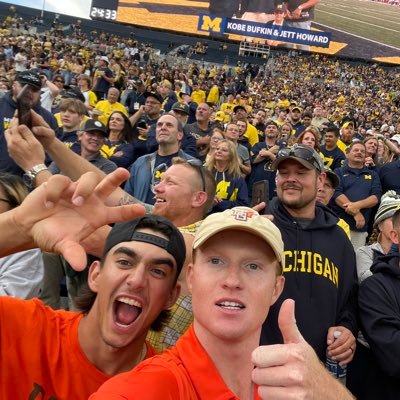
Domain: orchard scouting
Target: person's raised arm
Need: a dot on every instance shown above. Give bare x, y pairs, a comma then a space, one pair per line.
60, 214
26, 151
138, 114
70, 163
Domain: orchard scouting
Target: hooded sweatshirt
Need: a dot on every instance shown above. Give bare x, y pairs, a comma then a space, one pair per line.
320, 273
379, 302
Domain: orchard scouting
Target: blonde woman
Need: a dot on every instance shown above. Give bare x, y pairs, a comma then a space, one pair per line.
231, 188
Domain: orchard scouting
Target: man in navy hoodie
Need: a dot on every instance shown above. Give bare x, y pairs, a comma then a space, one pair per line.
379, 302
320, 268
8, 106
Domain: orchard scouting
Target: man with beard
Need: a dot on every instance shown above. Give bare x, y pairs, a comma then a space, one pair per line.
295, 119
8, 106
346, 136
320, 277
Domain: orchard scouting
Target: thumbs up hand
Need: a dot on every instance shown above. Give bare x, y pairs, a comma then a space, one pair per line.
292, 370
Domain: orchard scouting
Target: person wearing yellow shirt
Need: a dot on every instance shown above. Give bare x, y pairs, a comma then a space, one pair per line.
84, 83
238, 100
198, 95
240, 114
213, 95
213, 72
346, 136
108, 106
228, 107
283, 101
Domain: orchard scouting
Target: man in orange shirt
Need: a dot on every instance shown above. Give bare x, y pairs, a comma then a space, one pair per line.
67, 355
236, 274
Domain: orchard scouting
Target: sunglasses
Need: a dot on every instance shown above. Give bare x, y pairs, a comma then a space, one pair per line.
303, 152
58, 80
194, 162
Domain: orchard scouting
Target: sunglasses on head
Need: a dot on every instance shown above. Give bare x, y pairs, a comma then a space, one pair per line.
303, 152
194, 162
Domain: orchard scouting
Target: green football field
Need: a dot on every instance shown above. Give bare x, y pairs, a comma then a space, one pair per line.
376, 21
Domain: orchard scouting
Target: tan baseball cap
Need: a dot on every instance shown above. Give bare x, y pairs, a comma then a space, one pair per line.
240, 218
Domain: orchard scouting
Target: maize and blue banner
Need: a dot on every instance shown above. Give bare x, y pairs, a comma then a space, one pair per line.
221, 25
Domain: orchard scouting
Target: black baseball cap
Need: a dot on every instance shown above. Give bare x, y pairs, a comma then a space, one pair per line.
305, 155
332, 177
155, 95
128, 232
73, 92
182, 107
94, 125
239, 107
30, 78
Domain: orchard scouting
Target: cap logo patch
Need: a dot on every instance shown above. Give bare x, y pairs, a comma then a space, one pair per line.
242, 215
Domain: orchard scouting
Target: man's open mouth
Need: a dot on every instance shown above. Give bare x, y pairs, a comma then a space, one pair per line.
126, 310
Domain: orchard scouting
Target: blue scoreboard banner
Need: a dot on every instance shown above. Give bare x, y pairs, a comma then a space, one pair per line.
221, 25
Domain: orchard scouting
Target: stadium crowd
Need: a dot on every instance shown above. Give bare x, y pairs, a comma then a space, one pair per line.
310, 139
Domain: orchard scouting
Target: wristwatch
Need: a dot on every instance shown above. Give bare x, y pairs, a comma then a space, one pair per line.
29, 177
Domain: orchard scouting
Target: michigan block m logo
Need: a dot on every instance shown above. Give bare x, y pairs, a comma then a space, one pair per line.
210, 24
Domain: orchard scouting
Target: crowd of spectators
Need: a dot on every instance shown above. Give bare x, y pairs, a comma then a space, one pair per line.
115, 102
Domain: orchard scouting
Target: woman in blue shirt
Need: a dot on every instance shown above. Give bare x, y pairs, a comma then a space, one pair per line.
119, 147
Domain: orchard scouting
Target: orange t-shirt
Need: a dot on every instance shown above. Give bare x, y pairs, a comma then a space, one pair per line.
183, 372
40, 354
